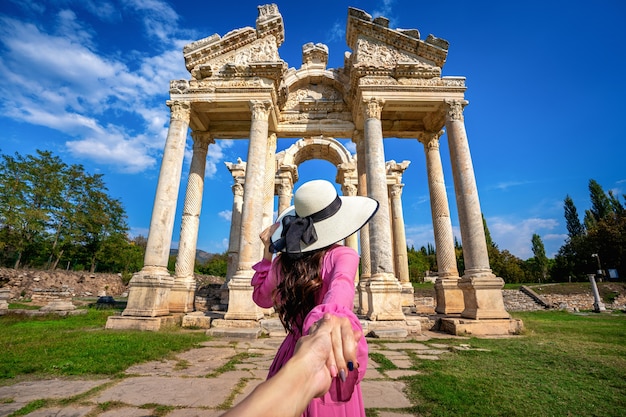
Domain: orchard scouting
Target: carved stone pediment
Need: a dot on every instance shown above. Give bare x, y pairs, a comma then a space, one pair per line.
388, 45
374, 55
215, 55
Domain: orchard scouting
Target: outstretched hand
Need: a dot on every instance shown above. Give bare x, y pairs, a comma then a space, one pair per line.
329, 351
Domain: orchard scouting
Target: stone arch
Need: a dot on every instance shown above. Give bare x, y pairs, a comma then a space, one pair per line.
328, 149
308, 148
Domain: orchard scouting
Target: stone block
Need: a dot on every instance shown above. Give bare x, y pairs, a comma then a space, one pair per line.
494, 327
141, 323
198, 321
235, 332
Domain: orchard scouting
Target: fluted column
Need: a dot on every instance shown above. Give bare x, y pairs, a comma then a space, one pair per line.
481, 288
448, 294
270, 177
364, 236
399, 241
184, 288
241, 306
384, 291
150, 288
238, 172
285, 192
352, 240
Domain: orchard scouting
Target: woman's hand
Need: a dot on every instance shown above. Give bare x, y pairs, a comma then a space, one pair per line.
266, 236
328, 351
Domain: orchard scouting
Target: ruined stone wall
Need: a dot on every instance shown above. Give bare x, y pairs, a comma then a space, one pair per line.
24, 283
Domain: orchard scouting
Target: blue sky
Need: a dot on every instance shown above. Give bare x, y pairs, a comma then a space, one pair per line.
88, 80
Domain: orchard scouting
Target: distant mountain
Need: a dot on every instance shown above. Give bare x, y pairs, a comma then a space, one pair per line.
201, 256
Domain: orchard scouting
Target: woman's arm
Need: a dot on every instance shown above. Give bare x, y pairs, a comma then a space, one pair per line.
308, 374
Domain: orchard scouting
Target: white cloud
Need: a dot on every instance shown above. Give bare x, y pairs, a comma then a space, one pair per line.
336, 33
112, 114
385, 9
516, 236
226, 215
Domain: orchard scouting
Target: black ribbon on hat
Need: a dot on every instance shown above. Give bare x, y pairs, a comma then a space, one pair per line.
298, 229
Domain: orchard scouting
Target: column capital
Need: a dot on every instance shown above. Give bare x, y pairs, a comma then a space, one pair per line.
283, 189
202, 138
260, 109
430, 140
357, 136
348, 189
395, 190
373, 107
454, 109
179, 109
237, 189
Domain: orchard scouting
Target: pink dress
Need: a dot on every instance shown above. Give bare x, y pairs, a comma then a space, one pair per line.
344, 399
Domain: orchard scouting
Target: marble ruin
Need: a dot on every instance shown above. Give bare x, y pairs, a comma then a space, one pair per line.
390, 86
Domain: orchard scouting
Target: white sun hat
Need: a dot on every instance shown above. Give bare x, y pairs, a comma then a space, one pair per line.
319, 218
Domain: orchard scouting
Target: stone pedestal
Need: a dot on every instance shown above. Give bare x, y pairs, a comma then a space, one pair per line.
182, 295
384, 299
482, 296
240, 303
149, 294
449, 296
408, 294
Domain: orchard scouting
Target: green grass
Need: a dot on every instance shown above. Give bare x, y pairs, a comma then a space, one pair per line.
565, 365
79, 345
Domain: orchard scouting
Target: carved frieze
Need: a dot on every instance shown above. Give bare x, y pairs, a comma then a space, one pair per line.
179, 86
179, 110
312, 93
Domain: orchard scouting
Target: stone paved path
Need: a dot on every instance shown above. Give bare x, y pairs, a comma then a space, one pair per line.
197, 384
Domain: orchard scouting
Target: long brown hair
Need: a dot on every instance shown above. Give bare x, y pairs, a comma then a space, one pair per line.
296, 294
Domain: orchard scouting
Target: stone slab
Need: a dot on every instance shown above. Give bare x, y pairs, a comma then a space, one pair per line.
73, 411
235, 333
384, 394
185, 392
388, 333
128, 412
194, 412
28, 391
398, 373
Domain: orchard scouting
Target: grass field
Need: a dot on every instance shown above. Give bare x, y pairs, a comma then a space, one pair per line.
564, 365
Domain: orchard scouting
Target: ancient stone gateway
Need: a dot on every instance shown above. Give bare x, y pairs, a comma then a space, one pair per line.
391, 86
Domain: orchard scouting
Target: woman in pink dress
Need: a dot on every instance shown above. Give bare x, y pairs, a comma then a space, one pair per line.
311, 275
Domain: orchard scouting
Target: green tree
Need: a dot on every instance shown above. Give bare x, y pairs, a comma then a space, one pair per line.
540, 259
215, 266
572, 221
605, 235
600, 203
50, 211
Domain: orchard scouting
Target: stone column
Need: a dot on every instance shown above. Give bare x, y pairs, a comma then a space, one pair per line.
449, 295
241, 306
364, 232
286, 176
184, 288
352, 240
238, 171
268, 190
384, 290
482, 290
285, 192
399, 241
150, 288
